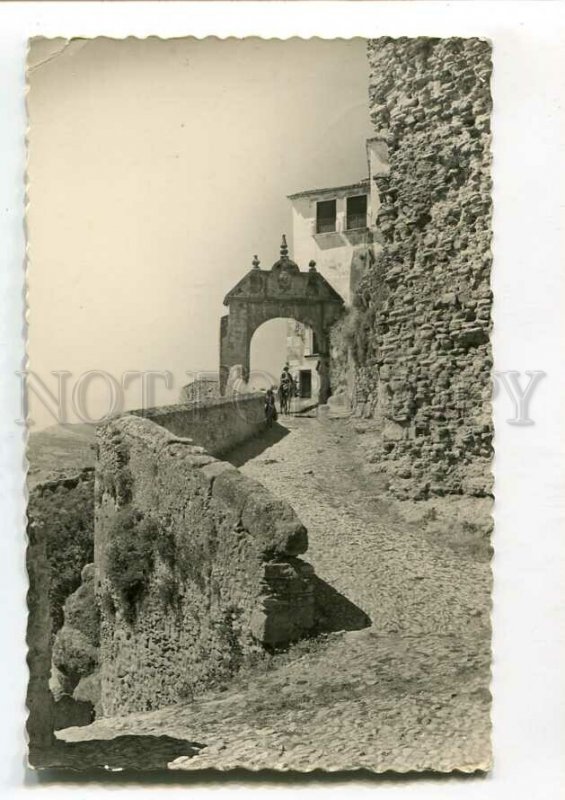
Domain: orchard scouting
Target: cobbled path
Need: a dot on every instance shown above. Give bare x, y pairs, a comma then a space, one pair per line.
408, 692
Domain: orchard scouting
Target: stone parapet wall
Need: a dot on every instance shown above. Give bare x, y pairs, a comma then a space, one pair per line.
216, 423
197, 567
419, 329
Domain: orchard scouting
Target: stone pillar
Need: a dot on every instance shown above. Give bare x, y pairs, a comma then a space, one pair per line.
324, 372
379, 167
224, 370
234, 343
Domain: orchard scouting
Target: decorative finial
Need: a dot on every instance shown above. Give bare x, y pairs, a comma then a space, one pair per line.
312, 266
255, 262
284, 247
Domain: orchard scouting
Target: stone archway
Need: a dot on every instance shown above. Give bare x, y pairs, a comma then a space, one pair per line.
282, 291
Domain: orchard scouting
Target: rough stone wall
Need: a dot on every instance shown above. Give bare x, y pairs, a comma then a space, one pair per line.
75, 682
216, 423
61, 511
419, 329
200, 389
40, 722
197, 567
60, 532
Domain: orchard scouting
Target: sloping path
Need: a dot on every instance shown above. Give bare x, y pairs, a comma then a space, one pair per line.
408, 692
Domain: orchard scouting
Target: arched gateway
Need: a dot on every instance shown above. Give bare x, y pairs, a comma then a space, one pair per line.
282, 291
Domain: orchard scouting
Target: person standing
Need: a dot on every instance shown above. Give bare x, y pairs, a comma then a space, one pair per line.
286, 389
270, 408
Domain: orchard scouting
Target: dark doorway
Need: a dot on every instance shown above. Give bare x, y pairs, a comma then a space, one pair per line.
305, 383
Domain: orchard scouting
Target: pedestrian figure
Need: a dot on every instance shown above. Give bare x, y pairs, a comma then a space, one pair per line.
270, 408
286, 390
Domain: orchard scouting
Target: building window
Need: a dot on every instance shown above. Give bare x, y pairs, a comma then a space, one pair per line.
315, 347
357, 211
310, 343
325, 216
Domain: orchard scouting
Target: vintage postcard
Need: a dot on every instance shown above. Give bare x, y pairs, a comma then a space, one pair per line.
259, 392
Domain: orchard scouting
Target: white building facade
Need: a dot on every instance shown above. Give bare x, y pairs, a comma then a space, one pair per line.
334, 227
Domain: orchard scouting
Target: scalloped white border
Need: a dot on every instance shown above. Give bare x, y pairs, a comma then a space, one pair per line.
529, 195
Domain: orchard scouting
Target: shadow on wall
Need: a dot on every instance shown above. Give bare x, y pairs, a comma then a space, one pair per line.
253, 448
332, 240
362, 259
334, 612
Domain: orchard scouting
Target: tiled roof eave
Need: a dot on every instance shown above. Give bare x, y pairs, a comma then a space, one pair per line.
364, 184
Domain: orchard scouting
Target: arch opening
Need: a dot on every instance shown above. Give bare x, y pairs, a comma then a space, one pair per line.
285, 341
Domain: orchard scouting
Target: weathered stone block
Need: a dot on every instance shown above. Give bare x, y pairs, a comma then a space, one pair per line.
275, 522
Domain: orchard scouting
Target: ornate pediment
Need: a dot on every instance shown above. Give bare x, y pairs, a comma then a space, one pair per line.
284, 281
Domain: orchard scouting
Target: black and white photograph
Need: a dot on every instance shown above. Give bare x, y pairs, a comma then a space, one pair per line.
259, 394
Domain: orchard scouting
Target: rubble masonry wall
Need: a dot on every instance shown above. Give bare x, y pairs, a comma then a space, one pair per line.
419, 330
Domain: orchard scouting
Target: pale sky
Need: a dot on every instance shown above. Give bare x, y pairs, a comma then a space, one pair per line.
157, 169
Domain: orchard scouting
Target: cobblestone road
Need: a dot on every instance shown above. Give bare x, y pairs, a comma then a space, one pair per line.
407, 692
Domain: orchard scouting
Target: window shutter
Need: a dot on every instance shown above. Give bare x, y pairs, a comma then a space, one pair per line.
325, 216
357, 211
